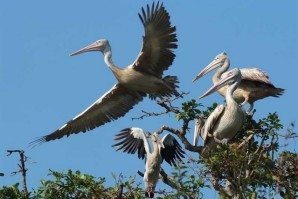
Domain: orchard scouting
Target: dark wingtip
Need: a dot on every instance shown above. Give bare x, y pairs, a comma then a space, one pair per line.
37, 142
279, 92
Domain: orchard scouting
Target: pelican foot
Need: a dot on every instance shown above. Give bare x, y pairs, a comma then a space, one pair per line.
224, 141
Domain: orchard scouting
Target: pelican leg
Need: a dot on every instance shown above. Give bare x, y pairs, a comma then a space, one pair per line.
250, 111
243, 103
222, 141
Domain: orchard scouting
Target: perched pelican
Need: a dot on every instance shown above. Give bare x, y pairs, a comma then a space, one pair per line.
167, 148
225, 121
142, 77
255, 84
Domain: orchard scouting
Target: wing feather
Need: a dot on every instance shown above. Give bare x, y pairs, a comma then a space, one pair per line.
111, 106
133, 139
211, 121
172, 151
253, 74
160, 39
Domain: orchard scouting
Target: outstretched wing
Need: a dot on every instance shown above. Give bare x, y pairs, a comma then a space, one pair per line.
172, 150
112, 105
211, 121
132, 140
160, 39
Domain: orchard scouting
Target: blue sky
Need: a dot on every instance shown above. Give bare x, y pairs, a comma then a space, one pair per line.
42, 86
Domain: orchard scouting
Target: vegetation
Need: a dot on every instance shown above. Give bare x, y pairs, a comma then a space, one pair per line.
253, 165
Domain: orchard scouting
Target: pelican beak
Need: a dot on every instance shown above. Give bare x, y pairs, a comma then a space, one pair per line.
199, 123
211, 66
224, 81
96, 46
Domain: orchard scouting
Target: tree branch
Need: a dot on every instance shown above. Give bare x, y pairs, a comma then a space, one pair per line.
22, 170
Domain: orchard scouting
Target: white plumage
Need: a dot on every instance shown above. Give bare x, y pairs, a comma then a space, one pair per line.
132, 140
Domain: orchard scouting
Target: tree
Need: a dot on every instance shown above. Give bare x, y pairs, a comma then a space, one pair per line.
252, 165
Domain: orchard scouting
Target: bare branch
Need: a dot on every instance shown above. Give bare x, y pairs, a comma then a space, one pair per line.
168, 180
22, 170
149, 114
166, 103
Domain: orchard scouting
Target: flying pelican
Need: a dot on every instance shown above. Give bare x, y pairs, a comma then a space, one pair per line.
168, 149
225, 121
142, 77
255, 84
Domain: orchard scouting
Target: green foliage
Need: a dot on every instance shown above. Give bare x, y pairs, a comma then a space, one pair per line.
189, 182
209, 110
79, 186
251, 164
286, 174
11, 192
189, 110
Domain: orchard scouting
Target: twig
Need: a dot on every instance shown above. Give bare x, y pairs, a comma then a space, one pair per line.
22, 170
149, 114
166, 103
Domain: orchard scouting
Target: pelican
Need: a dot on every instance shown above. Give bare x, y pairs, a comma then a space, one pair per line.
225, 121
168, 149
255, 84
142, 77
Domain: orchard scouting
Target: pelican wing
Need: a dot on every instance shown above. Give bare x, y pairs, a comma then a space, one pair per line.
211, 121
172, 150
198, 130
253, 74
112, 105
159, 41
132, 140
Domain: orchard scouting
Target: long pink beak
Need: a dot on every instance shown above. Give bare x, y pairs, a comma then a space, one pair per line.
92, 47
211, 66
218, 85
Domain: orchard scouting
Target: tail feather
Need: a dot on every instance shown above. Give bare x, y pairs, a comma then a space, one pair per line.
172, 83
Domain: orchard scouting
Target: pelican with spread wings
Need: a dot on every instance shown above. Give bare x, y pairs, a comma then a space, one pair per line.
144, 76
132, 140
255, 84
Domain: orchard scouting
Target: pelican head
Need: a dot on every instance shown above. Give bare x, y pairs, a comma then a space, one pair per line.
230, 78
156, 139
101, 45
218, 61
